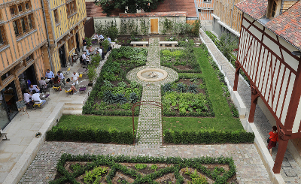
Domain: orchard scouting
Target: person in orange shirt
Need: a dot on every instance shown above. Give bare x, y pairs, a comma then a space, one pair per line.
273, 138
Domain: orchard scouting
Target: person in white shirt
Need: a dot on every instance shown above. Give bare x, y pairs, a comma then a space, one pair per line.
84, 58
75, 77
34, 88
36, 98
99, 50
27, 96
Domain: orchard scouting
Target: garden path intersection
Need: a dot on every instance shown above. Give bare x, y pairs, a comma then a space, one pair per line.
250, 168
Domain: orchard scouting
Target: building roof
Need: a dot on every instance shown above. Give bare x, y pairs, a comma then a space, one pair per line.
187, 6
286, 25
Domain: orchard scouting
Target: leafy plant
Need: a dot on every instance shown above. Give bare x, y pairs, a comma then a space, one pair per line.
133, 98
154, 167
181, 88
76, 167
192, 88
167, 88
120, 98
91, 73
109, 97
140, 166
122, 84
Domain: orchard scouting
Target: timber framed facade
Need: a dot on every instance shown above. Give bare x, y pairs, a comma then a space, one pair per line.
23, 52
65, 24
266, 56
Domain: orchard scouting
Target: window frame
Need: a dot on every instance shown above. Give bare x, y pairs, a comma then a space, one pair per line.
24, 24
207, 1
56, 16
2, 36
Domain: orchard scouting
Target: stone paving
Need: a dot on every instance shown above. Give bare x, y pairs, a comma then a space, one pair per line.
291, 171
250, 168
248, 163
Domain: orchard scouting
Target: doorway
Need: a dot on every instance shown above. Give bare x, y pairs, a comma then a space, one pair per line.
154, 26
8, 104
27, 77
62, 56
77, 42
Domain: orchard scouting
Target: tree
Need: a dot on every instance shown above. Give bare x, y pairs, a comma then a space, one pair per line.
132, 5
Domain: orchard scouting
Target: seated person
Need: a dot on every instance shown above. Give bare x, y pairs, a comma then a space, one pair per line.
27, 96
42, 83
36, 98
49, 75
61, 77
57, 83
84, 58
75, 77
69, 86
34, 88
100, 37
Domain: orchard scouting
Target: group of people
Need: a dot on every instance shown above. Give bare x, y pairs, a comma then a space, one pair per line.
88, 51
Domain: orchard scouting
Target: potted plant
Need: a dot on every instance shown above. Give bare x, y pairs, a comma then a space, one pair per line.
91, 74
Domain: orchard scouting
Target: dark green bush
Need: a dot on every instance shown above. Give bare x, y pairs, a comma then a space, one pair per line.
208, 137
89, 135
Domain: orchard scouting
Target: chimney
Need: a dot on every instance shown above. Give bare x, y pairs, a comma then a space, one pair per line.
273, 9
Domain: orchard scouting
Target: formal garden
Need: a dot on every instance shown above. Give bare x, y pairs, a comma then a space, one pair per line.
197, 109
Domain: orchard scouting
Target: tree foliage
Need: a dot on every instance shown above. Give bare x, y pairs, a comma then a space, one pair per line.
132, 5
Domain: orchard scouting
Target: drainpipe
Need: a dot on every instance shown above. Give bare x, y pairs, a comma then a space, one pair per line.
49, 56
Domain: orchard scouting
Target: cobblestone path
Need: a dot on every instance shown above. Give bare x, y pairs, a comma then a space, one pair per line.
150, 122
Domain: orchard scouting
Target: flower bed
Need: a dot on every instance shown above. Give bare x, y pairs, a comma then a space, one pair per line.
186, 97
125, 169
181, 60
113, 94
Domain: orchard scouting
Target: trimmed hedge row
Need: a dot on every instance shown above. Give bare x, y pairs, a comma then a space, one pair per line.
208, 137
63, 176
89, 135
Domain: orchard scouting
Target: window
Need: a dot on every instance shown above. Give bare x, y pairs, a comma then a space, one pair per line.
207, 1
23, 24
2, 36
27, 5
13, 10
20, 8
71, 8
30, 57
56, 16
30, 21
16, 29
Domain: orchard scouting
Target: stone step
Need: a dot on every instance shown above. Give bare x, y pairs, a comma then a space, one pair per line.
73, 107
72, 111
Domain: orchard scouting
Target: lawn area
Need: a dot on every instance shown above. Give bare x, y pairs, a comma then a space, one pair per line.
120, 123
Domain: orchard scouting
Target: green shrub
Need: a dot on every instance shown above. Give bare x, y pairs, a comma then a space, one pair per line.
89, 135
208, 137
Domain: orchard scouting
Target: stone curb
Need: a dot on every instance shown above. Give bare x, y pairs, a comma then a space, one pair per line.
31, 151
250, 127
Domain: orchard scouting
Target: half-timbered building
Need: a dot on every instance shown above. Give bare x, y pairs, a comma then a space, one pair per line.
65, 24
205, 8
23, 52
269, 54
